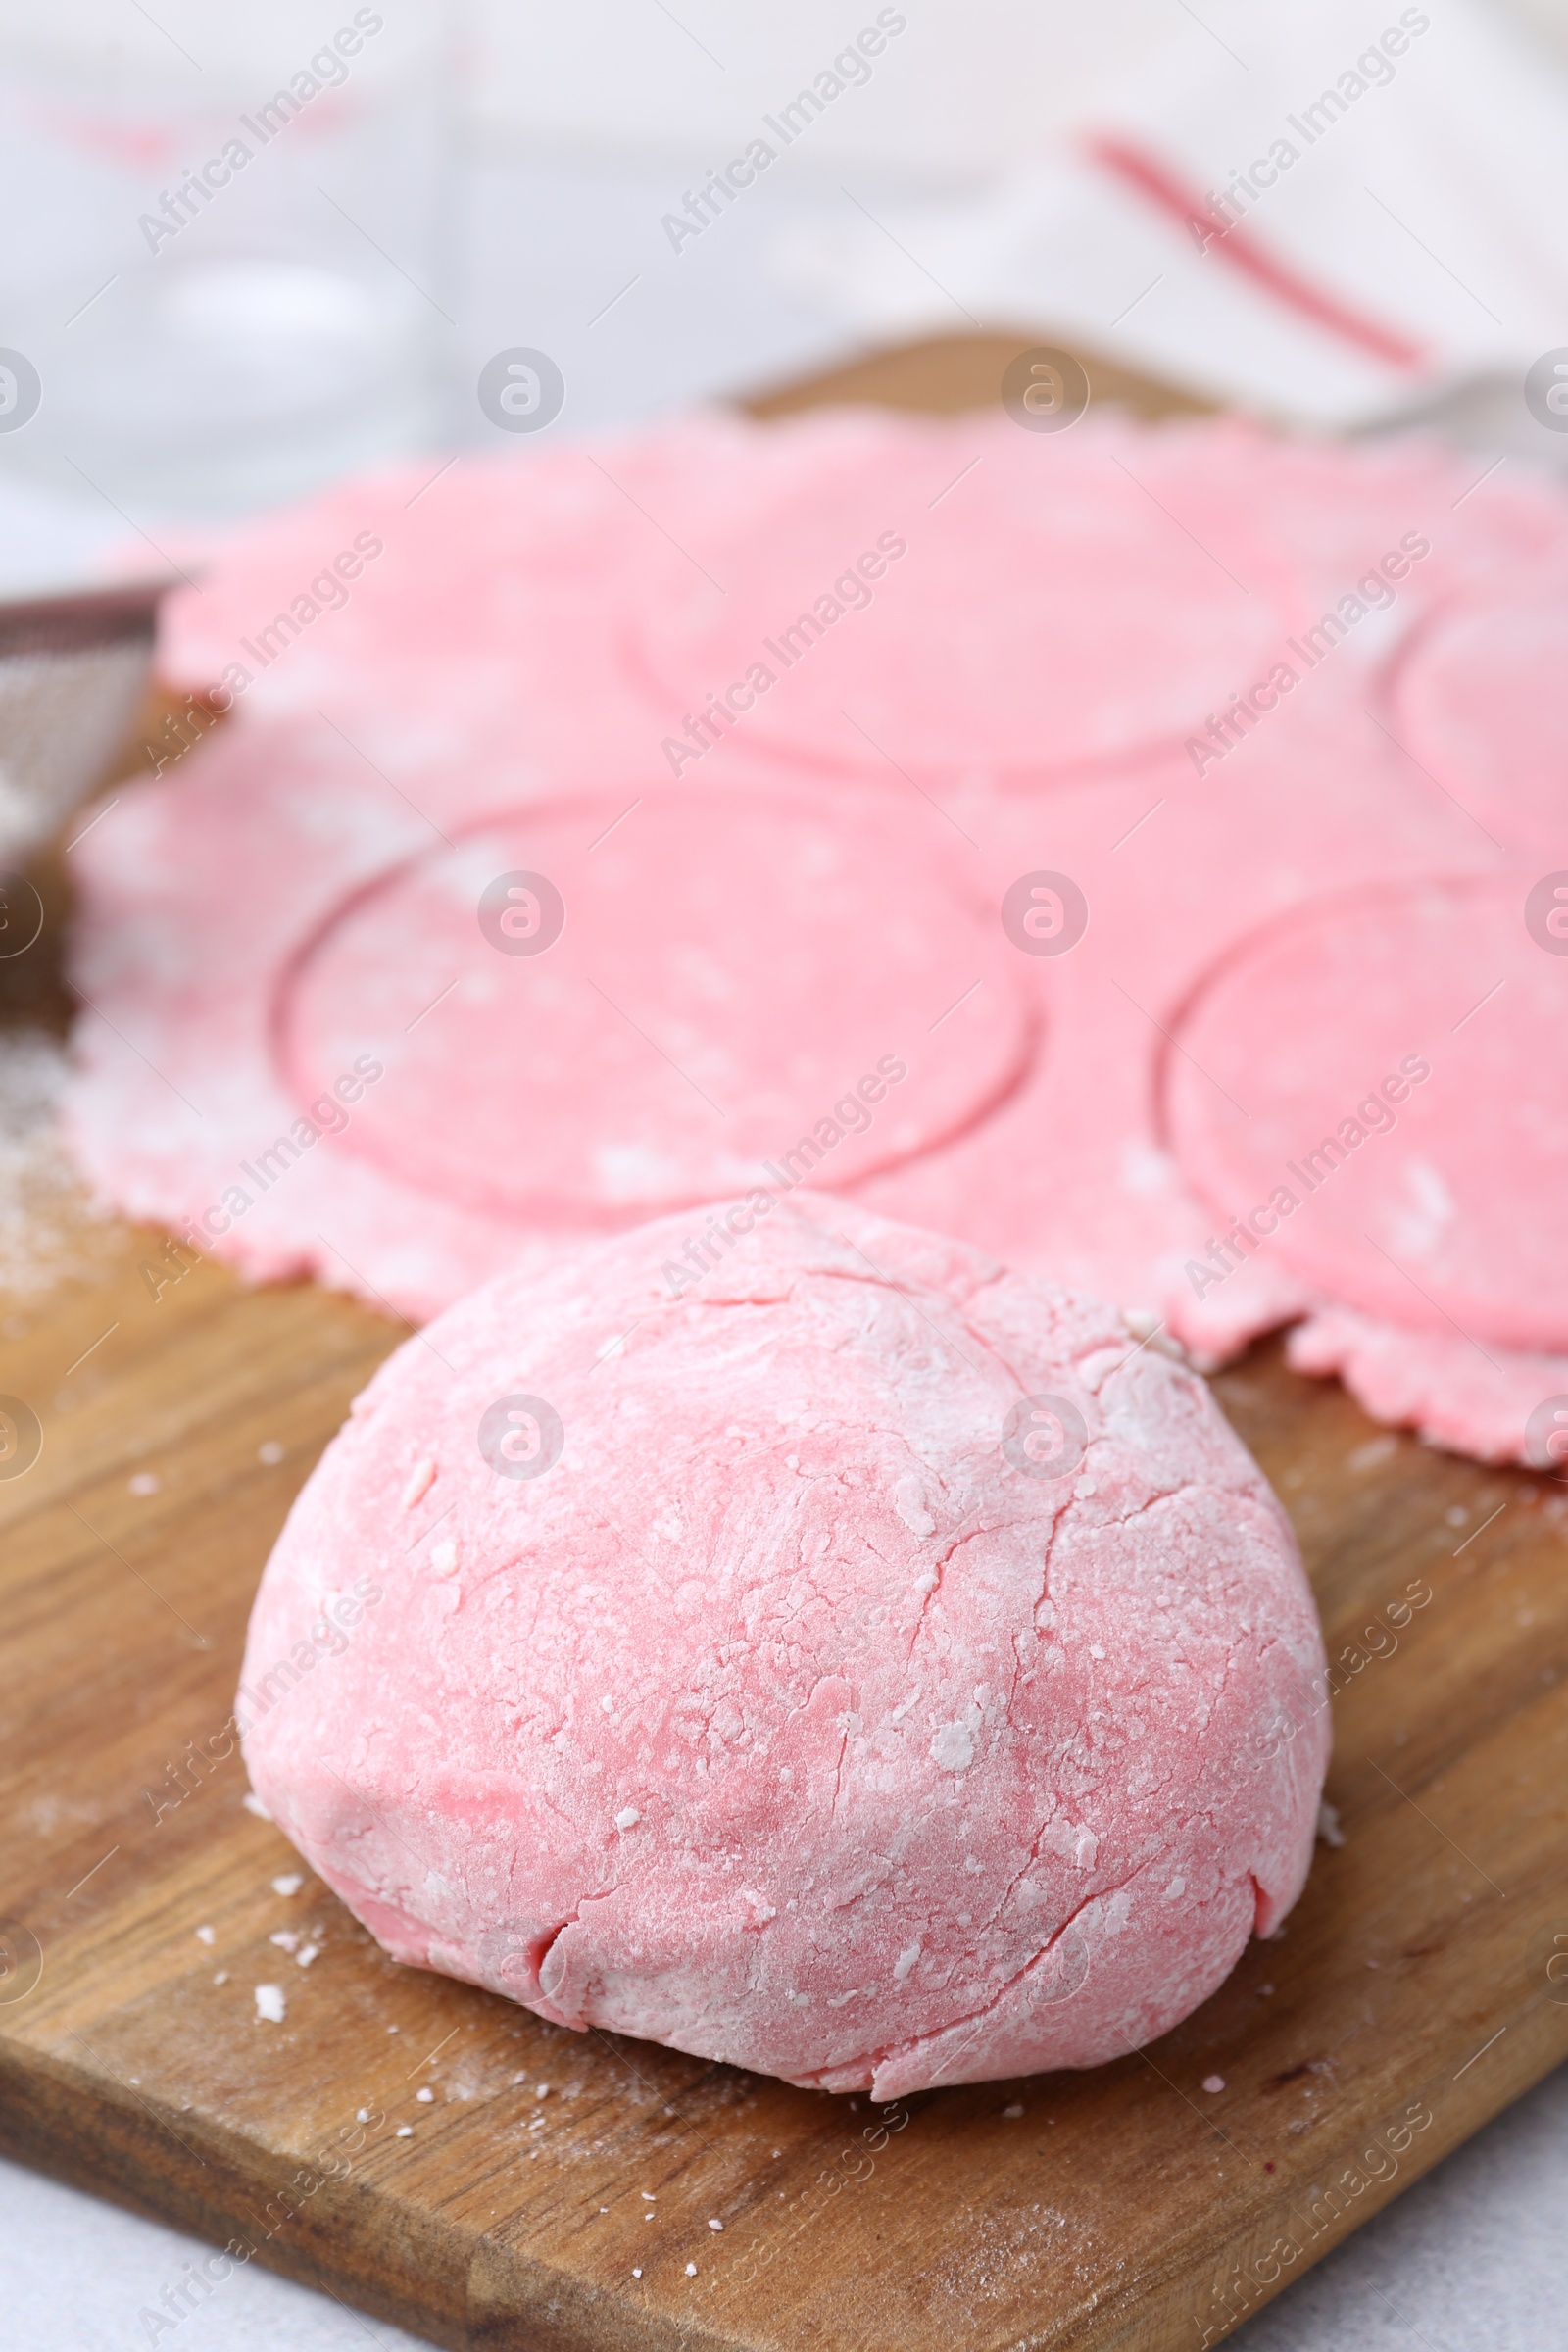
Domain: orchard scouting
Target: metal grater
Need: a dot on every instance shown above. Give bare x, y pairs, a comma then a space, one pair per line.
72, 671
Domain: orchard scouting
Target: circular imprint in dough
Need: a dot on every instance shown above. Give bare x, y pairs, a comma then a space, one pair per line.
1042, 611
780, 1714
1377, 1089
1482, 704
724, 982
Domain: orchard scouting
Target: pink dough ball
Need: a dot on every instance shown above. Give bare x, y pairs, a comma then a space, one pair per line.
792, 1636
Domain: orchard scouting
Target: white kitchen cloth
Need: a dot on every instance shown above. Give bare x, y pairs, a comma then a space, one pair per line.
1335, 211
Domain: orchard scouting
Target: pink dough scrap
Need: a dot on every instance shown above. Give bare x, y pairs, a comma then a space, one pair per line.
1504, 1404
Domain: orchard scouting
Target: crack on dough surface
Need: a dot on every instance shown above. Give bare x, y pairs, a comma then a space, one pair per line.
875, 2060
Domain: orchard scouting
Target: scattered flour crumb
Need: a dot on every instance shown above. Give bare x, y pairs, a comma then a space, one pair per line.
424, 2098
404, 2131
284, 1937
1213, 2085
221, 1977
144, 1481
713, 2225
48, 1229
205, 1935
269, 1451
421, 1478
691, 2270
305, 1955
1327, 1824
269, 2003
252, 1804
289, 1882
1014, 2111
627, 1818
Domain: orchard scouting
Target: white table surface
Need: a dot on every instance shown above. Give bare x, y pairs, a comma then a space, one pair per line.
1472, 2259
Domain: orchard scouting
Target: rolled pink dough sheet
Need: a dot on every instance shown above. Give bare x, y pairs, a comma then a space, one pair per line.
872, 1667
300, 1045
585, 603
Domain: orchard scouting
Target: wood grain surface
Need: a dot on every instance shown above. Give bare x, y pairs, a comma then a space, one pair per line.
560, 2191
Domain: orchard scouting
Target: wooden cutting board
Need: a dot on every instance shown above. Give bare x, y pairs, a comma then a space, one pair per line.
558, 2190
